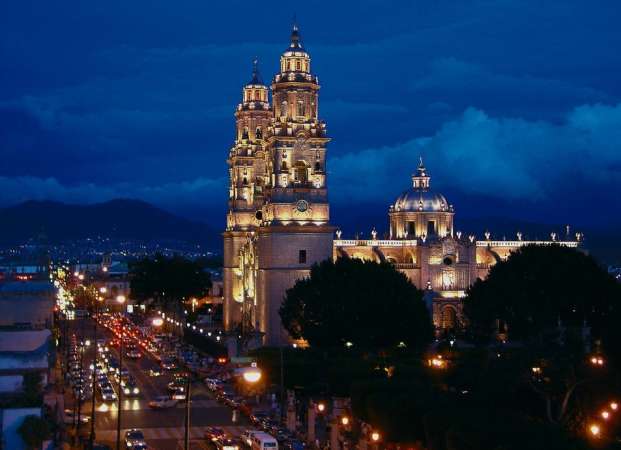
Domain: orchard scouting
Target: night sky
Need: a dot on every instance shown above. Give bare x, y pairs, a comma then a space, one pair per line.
514, 105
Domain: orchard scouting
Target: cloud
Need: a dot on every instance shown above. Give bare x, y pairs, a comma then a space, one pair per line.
498, 157
205, 192
467, 83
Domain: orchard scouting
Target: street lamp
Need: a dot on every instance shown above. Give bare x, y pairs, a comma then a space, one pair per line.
614, 406
252, 374
345, 421
321, 407
375, 436
157, 322
595, 430
103, 290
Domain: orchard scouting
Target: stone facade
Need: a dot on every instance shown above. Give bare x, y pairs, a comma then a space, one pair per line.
278, 222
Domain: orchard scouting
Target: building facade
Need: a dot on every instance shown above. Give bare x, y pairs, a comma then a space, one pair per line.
278, 220
423, 244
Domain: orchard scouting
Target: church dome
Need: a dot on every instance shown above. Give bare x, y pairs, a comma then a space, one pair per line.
425, 201
419, 198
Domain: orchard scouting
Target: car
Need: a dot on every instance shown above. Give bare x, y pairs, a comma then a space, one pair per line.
133, 354
162, 402
108, 394
226, 443
179, 394
131, 389
214, 433
293, 444
133, 438
258, 416
176, 385
70, 416
155, 372
168, 364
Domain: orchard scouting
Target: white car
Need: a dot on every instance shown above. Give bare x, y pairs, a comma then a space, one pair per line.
178, 394
163, 402
70, 417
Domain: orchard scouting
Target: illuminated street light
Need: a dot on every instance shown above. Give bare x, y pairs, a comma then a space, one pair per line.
120, 299
597, 361
81, 277
605, 415
252, 374
375, 436
595, 430
345, 420
614, 406
103, 290
321, 407
158, 322
76, 274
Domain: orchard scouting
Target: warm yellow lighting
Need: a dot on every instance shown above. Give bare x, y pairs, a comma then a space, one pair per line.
595, 430
614, 406
120, 299
103, 290
437, 362
536, 370
345, 420
597, 360
605, 415
81, 276
76, 274
252, 375
375, 436
321, 407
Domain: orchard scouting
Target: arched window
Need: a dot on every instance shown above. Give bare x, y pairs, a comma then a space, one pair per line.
317, 166
283, 108
258, 133
449, 317
298, 65
288, 66
245, 133
301, 109
301, 172
283, 165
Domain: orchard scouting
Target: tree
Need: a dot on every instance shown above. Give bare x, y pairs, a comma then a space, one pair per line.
372, 305
33, 431
539, 287
554, 300
168, 281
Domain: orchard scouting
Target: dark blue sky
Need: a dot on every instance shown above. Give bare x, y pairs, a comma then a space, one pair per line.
515, 105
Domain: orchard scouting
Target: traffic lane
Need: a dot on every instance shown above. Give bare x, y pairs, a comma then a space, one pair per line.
169, 418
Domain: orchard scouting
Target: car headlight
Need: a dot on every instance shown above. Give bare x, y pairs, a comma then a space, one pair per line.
136, 390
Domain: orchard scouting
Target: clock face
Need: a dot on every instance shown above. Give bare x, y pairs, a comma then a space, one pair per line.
302, 205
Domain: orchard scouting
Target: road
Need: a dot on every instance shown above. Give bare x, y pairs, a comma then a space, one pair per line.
163, 429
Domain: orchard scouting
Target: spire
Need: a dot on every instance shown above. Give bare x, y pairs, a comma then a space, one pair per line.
420, 179
256, 76
296, 39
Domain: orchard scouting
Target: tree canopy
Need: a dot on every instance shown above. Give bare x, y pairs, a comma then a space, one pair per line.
539, 287
372, 305
168, 280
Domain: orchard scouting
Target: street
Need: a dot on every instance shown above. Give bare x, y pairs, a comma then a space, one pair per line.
163, 429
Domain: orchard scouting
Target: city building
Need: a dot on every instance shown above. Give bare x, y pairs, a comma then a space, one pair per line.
278, 221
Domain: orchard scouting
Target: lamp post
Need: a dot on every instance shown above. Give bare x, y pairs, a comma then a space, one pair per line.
121, 300
91, 439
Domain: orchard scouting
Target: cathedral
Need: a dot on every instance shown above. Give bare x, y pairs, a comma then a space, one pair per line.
278, 220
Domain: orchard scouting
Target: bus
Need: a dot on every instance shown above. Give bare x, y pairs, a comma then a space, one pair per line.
263, 441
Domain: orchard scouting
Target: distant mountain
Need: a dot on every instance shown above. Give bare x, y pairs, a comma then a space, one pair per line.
121, 219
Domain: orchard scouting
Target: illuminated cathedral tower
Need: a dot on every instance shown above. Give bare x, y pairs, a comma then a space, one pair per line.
278, 227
